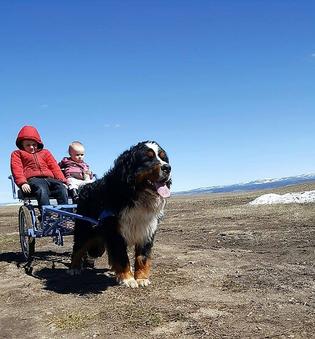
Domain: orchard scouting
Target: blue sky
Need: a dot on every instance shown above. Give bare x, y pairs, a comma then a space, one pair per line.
226, 87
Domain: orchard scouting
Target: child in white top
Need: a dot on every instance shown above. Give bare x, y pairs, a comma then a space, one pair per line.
76, 171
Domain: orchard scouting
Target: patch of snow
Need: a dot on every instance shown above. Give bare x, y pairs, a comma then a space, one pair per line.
288, 198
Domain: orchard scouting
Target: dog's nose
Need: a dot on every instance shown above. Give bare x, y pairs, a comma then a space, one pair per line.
166, 168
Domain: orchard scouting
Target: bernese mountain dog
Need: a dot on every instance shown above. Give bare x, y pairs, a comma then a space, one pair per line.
128, 202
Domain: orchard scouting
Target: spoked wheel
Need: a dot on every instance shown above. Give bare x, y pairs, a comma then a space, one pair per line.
27, 242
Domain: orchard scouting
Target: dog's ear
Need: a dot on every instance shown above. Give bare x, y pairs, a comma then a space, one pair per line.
125, 165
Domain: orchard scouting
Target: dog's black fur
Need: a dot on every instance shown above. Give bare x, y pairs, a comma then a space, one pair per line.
133, 192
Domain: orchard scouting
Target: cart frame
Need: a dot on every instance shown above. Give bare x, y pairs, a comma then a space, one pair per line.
55, 220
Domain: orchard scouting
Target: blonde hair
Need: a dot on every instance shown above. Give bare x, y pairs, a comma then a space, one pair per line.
74, 144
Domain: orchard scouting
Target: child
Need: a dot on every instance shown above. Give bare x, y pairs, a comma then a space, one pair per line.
35, 170
76, 171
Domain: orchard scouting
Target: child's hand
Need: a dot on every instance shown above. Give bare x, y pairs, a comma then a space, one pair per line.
26, 188
86, 176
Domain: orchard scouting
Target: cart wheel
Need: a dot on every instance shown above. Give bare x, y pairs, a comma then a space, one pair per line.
27, 242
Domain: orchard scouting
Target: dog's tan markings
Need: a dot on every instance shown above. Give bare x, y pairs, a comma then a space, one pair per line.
150, 154
142, 270
142, 267
124, 276
152, 175
121, 271
162, 155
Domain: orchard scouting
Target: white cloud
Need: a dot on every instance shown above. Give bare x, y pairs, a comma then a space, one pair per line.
112, 126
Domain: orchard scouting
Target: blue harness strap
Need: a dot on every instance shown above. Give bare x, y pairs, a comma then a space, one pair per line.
105, 214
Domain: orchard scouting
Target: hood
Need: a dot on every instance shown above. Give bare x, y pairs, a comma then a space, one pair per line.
30, 133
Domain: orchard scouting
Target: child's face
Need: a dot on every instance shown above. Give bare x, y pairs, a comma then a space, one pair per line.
77, 153
29, 146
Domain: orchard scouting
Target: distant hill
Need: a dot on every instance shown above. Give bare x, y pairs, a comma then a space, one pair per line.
252, 185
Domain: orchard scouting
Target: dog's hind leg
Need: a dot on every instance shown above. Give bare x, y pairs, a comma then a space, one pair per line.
79, 251
76, 260
84, 256
95, 249
143, 263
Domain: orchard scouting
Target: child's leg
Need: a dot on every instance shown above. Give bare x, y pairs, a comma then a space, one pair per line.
40, 189
74, 185
58, 190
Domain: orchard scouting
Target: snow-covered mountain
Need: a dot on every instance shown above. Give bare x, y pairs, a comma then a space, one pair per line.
252, 185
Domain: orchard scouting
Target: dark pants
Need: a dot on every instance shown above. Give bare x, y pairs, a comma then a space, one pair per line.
43, 188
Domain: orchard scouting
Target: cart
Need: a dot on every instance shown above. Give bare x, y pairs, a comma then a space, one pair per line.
56, 221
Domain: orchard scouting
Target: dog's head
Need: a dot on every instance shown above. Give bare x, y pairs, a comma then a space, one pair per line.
146, 167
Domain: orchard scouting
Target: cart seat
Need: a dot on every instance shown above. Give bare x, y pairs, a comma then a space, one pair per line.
18, 194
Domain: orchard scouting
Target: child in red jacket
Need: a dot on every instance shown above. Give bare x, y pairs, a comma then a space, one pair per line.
35, 170
76, 171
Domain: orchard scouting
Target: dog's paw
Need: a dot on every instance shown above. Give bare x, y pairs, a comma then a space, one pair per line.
143, 282
89, 262
74, 271
130, 282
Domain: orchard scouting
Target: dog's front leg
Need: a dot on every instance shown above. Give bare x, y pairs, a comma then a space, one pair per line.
143, 263
118, 259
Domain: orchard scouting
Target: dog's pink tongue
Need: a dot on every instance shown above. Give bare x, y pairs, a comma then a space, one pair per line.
163, 191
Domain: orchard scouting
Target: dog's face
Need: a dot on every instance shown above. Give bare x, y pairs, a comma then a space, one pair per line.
152, 170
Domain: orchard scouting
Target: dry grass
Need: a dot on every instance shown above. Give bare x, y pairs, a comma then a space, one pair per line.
221, 269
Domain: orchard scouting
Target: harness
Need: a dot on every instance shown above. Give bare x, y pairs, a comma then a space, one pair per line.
105, 214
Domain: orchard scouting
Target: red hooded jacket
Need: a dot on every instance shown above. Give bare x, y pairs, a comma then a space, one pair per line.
26, 165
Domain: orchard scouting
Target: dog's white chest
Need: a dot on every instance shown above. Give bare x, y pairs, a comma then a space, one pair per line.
139, 223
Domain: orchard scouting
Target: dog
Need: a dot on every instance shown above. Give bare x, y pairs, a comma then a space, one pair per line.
128, 202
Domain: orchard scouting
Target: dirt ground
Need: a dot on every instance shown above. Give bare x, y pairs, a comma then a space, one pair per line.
221, 269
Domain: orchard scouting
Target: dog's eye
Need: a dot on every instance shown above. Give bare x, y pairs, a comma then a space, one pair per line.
162, 155
150, 154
